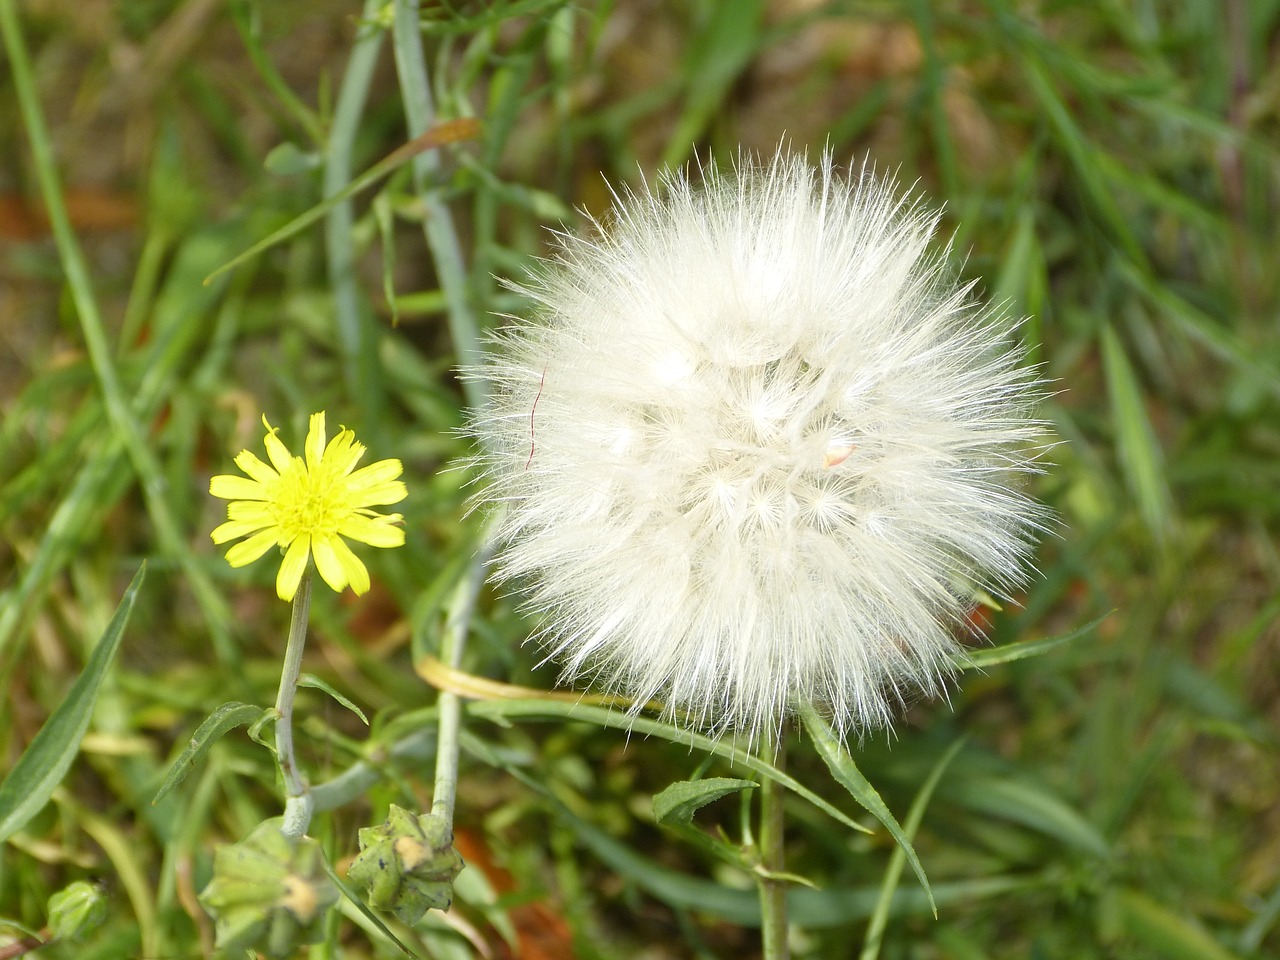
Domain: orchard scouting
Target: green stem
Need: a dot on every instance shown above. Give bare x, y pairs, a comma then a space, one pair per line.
449, 705
773, 889
442, 237
298, 802
354, 330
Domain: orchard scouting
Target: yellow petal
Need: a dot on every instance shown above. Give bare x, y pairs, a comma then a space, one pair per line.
327, 562
250, 511
391, 492
250, 550
376, 484
377, 531
250, 464
276, 450
292, 568
234, 529
315, 440
343, 453
357, 573
229, 487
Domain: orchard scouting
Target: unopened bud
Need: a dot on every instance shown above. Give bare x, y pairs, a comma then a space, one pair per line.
76, 911
268, 892
408, 864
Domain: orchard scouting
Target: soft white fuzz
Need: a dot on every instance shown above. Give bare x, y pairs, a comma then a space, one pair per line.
755, 448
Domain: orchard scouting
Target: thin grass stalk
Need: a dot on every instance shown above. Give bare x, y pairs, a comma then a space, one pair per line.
124, 425
437, 223
893, 874
358, 353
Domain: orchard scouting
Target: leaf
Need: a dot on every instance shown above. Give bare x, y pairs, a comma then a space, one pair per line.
500, 711
679, 802
1032, 806
675, 806
43, 764
307, 680
450, 131
880, 917
227, 717
372, 922
1009, 652
1140, 455
815, 909
1166, 933
848, 775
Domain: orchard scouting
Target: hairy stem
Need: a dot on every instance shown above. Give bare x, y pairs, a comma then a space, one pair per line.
452, 644
298, 802
773, 889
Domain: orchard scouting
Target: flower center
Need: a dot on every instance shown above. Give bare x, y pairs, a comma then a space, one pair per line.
309, 503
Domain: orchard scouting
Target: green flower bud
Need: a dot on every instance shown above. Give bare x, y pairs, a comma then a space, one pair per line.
408, 864
76, 911
268, 892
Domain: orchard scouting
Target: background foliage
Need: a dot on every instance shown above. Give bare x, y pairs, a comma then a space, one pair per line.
1109, 168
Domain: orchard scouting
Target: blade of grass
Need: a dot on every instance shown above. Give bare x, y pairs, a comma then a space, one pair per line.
504, 710
350, 320
442, 237
44, 763
124, 425
812, 909
1140, 455
451, 131
716, 58
1009, 652
893, 873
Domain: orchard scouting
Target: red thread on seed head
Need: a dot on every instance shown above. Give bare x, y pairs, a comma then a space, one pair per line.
532, 411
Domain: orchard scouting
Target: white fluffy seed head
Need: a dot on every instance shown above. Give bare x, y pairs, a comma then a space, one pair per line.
754, 448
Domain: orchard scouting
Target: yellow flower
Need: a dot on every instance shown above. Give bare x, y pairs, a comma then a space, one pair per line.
307, 506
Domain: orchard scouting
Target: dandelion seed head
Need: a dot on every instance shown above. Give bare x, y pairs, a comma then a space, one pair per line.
777, 449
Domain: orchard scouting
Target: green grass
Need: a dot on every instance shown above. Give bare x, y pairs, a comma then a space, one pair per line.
1109, 169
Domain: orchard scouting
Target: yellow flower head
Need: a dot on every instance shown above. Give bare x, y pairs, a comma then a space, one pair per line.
307, 506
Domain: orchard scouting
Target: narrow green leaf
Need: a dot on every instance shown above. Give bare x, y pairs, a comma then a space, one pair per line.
43, 764
502, 711
847, 774
814, 909
1168, 934
1009, 652
371, 919
1203, 328
1140, 455
451, 131
307, 680
716, 57
679, 802
880, 917
227, 717
1032, 806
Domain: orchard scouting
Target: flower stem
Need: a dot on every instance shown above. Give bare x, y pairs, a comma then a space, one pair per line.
450, 705
773, 889
298, 802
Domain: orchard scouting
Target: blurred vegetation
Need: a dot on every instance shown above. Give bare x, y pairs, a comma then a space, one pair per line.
1109, 169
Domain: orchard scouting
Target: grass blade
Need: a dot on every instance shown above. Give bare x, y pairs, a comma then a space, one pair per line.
44, 763
880, 917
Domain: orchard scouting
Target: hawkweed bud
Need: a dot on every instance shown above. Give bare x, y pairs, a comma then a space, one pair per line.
268, 892
408, 863
76, 911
